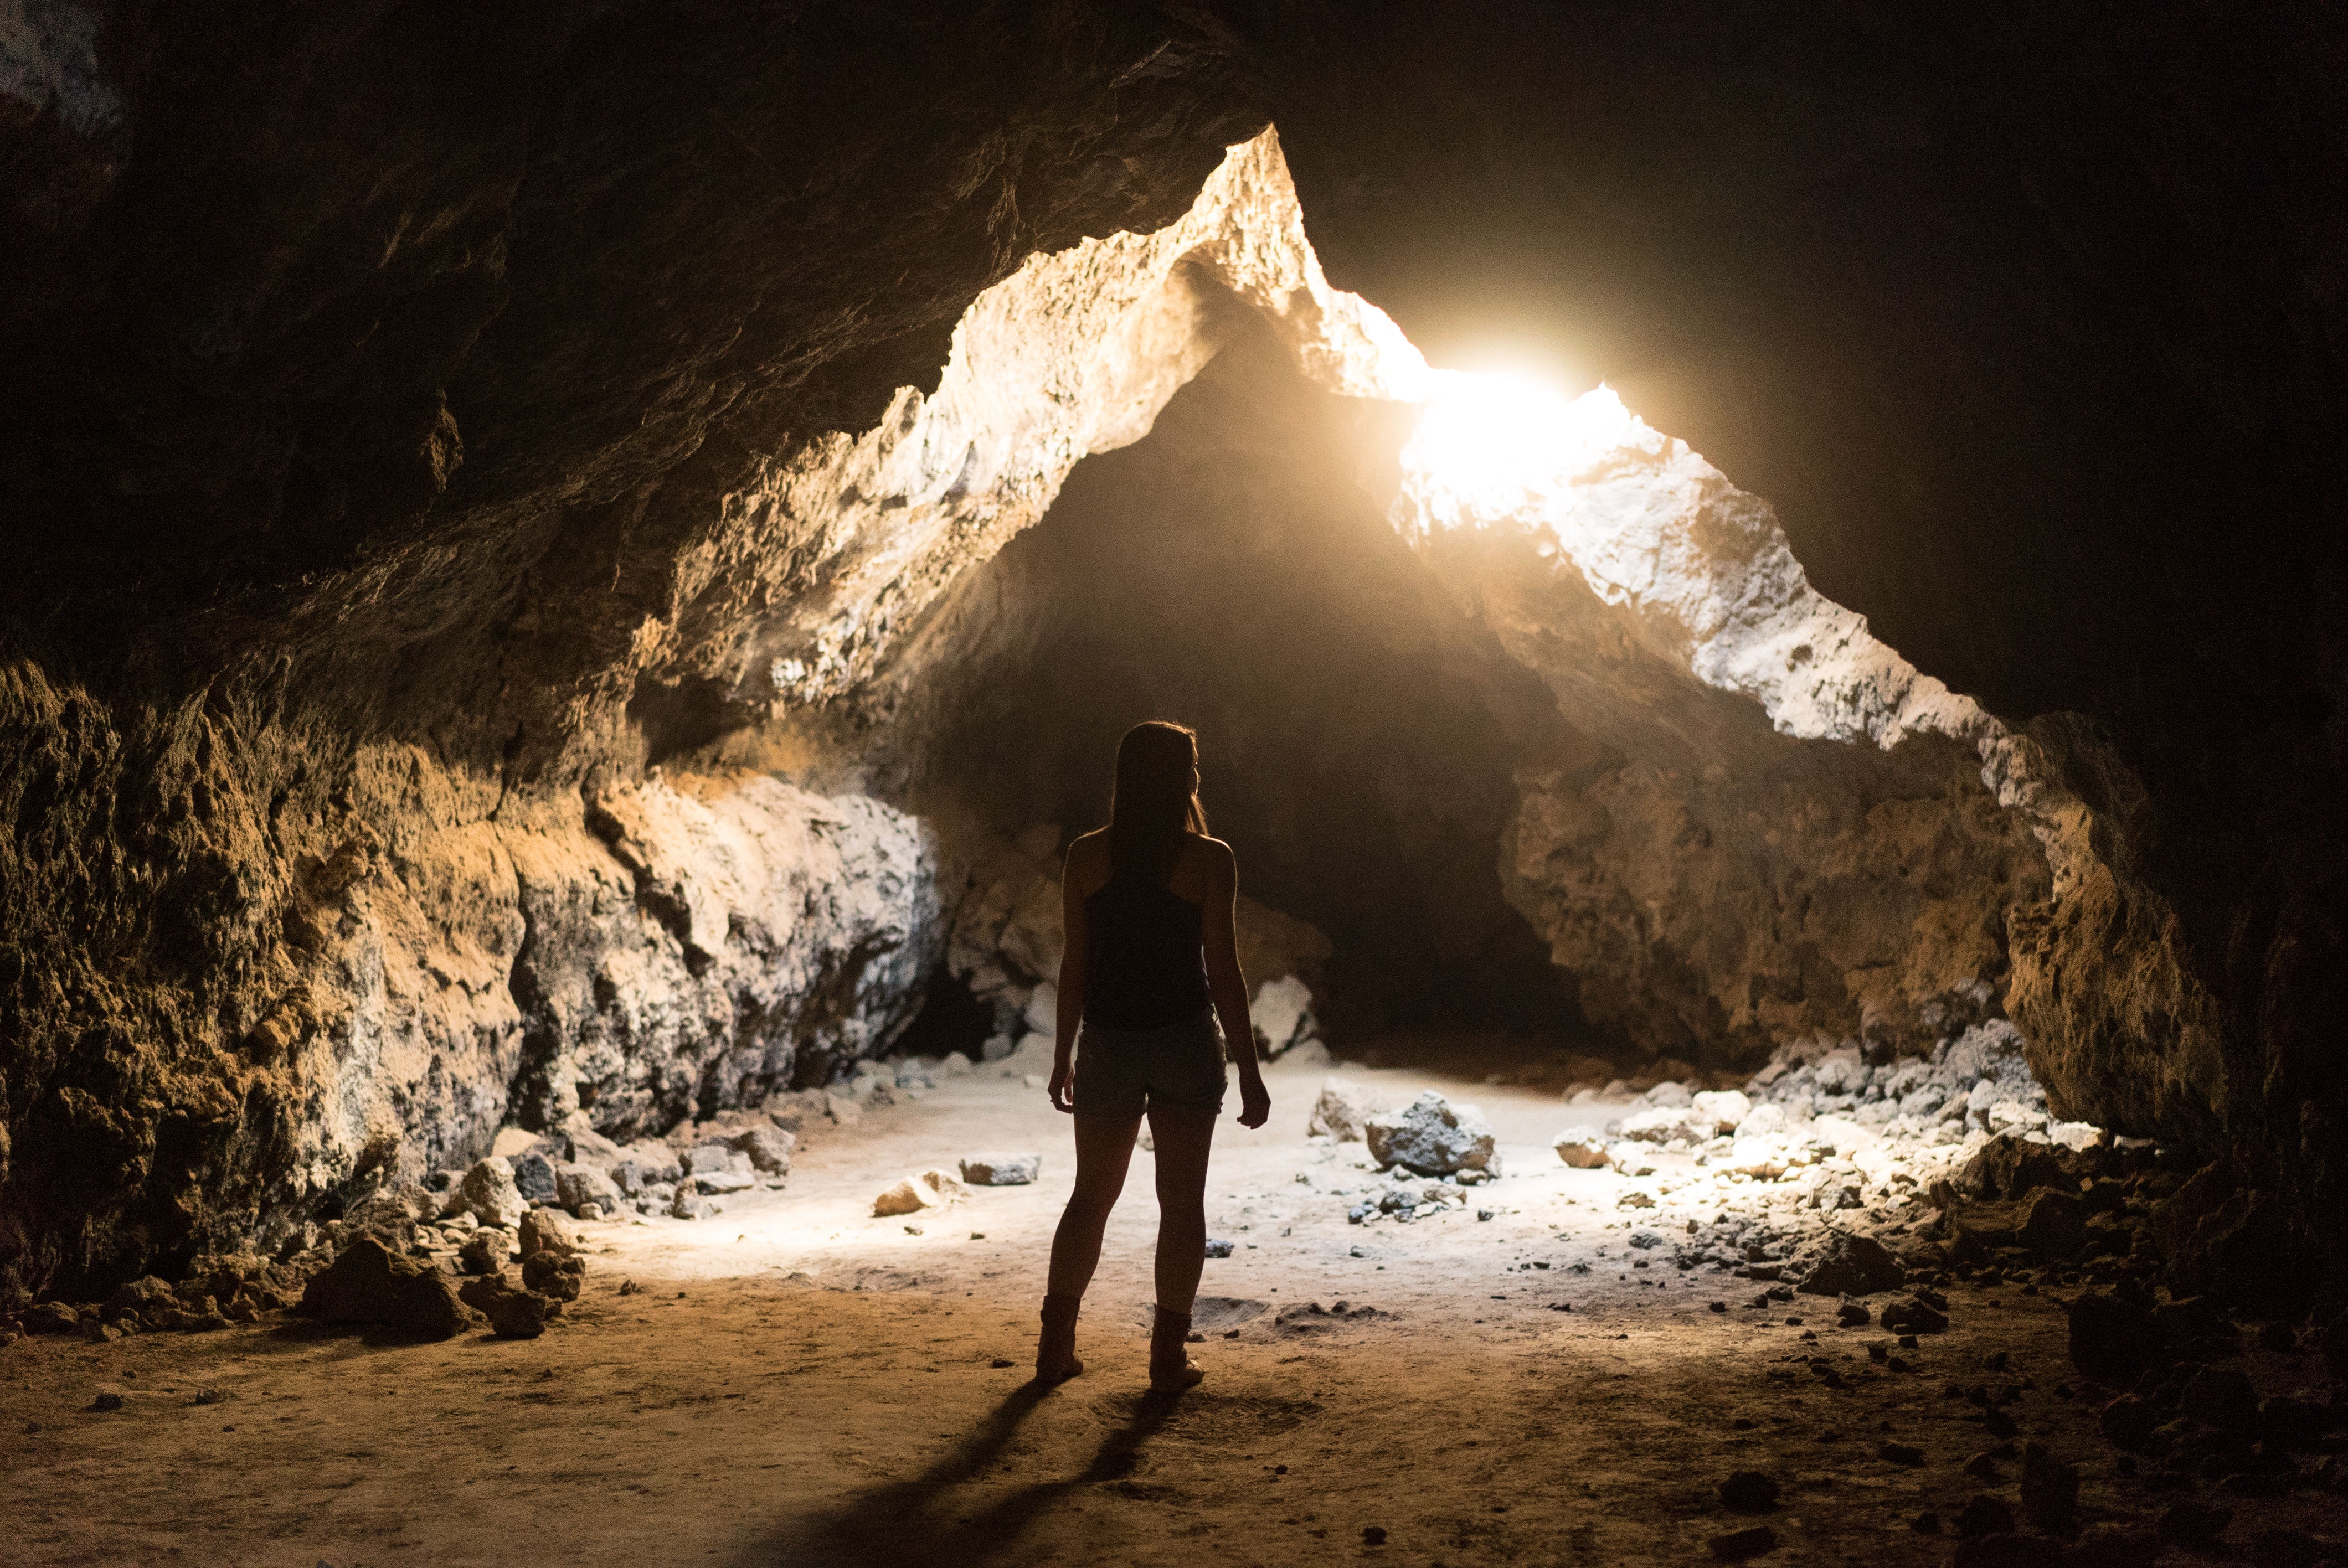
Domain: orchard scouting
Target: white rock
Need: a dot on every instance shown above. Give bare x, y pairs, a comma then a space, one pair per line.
1033, 1057
842, 1107
1583, 1148
2012, 1116
2074, 1134
512, 1140
1761, 1122
1042, 1013
1002, 1170
948, 1186
908, 1195
1432, 1136
1281, 1014
1631, 1159
955, 1065
1664, 1124
1670, 1094
1763, 1157
1724, 1108
723, 1181
1342, 1110
489, 1194
1840, 1133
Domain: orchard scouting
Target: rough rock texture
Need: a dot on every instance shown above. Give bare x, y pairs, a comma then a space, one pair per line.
368, 1285
424, 426
1432, 1136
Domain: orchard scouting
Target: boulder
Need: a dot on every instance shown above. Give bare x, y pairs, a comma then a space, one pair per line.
489, 1196
1853, 1266
554, 1273
1282, 1016
723, 1180
577, 1185
533, 1175
1749, 1492
545, 1230
1342, 1110
1762, 1122
769, 1149
1915, 1317
703, 1158
1583, 1148
1432, 1137
1725, 1109
1663, 1123
369, 1284
947, 1185
1002, 1170
1767, 1158
142, 1295
2009, 1168
588, 1147
513, 1313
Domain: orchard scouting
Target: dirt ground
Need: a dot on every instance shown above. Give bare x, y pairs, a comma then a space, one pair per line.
798, 1382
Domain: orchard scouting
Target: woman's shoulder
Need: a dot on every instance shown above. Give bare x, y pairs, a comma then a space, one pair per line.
1087, 858
1206, 851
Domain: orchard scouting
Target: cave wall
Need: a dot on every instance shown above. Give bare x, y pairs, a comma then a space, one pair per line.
421, 419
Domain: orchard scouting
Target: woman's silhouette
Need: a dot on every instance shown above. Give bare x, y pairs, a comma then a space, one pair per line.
1147, 904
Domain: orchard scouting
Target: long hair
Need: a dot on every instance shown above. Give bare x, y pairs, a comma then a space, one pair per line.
1153, 803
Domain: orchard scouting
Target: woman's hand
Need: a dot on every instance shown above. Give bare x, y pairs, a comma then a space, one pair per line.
1255, 1102
1063, 1085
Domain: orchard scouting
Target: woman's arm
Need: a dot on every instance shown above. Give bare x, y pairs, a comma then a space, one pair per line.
1075, 956
1227, 986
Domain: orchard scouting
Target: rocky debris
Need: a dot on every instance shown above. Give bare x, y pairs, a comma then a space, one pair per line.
1853, 1266
1432, 1137
1722, 1110
1738, 1545
486, 1251
688, 1204
1218, 1247
513, 1313
1583, 1148
1002, 1170
1914, 1315
769, 1149
489, 1196
1749, 1492
556, 1275
367, 1284
545, 1230
1342, 1110
577, 1187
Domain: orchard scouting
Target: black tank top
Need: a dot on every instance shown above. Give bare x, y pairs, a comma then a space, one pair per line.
1149, 964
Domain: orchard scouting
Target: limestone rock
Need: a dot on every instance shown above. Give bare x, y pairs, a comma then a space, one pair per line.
907, 1196
715, 1182
1002, 1170
1665, 1123
545, 1230
1342, 1112
1726, 1109
770, 1148
485, 1251
1282, 1016
489, 1193
367, 1284
1432, 1137
1583, 1148
576, 1187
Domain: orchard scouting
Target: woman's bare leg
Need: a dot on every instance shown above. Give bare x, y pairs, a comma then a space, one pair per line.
1104, 1150
1183, 1138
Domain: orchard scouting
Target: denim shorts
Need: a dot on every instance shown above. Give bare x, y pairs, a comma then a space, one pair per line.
1122, 1072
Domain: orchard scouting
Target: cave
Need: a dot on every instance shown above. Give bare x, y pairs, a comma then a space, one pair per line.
1759, 594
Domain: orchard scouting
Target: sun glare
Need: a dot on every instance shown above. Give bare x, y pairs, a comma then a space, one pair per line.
1492, 445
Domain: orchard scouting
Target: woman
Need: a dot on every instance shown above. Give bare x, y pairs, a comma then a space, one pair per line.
1146, 902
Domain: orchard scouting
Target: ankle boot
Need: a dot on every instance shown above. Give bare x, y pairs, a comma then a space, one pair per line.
1170, 1366
1055, 1351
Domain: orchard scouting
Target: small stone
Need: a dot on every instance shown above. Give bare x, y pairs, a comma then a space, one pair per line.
910, 1195
1901, 1453
554, 1274
1717, 1306
1739, 1544
1583, 1148
1002, 1170
689, 1205
1853, 1266
1487, 1213
770, 1148
1851, 1315
107, 1402
577, 1185
1219, 1248
210, 1397
1915, 1317
1749, 1492
513, 1313
1372, 1535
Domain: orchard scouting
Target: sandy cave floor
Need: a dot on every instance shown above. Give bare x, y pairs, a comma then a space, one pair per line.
798, 1382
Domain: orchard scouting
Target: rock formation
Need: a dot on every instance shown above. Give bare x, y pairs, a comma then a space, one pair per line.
510, 509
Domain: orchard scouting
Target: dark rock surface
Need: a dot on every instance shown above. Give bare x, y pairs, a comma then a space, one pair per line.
368, 1285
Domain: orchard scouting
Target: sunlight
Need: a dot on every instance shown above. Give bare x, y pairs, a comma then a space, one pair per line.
1491, 446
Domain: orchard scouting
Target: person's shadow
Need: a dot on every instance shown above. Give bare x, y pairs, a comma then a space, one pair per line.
921, 1522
